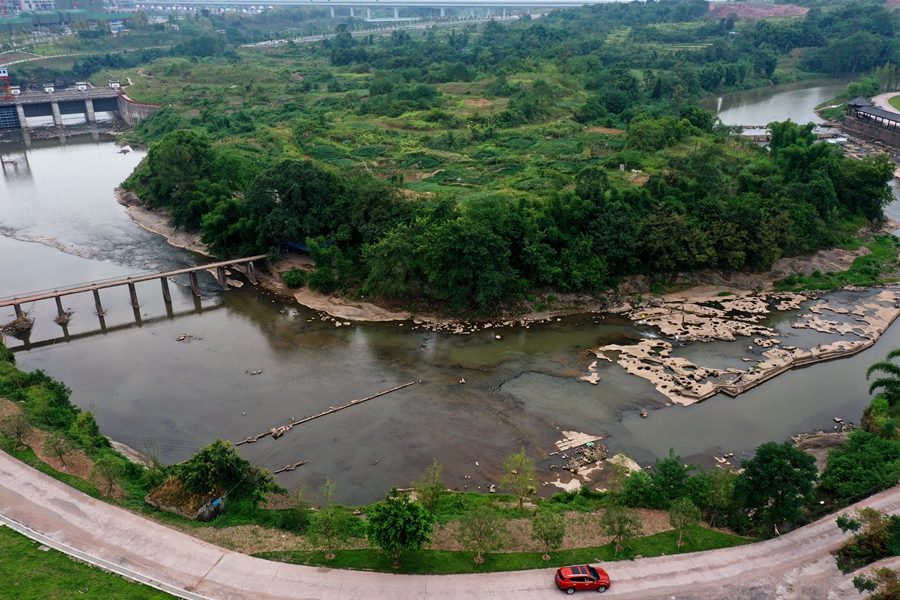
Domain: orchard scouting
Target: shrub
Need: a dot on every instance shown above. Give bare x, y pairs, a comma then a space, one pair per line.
294, 278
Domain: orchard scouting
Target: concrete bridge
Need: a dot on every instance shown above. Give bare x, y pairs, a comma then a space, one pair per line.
14, 113
17, 302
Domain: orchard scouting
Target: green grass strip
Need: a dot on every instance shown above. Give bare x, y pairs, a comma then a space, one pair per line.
30, 573
442, 562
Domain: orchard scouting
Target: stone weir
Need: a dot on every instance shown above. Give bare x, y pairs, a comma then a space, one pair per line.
716, 318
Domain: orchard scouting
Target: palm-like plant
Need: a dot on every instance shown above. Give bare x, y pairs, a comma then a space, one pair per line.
889, 384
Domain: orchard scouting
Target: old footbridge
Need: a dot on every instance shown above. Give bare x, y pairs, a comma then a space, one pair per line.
244, 264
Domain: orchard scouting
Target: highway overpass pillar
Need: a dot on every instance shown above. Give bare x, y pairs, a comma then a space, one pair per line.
351, 12
472, 12
57, 117
332, 12
396, 14
442, 13
89, 110
21, 112
368, 14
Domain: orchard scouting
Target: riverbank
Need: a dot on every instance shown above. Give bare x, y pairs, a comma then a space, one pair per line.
157, 221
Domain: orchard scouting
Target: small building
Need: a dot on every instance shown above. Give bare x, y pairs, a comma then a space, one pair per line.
81, 86
856, 104
49, 88
114, 84
15, 90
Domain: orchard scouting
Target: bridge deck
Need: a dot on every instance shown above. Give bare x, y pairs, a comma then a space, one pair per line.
61, 96
78, 289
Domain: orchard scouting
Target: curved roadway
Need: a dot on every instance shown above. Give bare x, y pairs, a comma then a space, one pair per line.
795, 565
881, 101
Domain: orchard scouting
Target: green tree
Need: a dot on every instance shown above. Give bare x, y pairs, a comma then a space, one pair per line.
58, 445
519, 476
218, 468
177, 162
682, 516
397, 524
107, 473
549, 530
712, 491
775, 484
331, 527
622, 525
16, 427
86, 432
864, 465
481, 530
890, 382
430, 486
883, 582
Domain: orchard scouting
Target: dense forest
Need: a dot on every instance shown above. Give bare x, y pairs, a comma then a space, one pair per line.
471, 165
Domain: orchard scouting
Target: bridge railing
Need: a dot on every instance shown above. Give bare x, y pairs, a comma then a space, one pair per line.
75, 286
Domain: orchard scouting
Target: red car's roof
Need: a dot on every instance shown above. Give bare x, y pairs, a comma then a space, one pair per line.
580, 570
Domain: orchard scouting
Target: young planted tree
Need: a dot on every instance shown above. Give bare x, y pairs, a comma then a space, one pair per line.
519, 476
712, 491
548, 529
16, 427
430, 486
331, 528
397, 524
682, 516
481, 530
107, 472
59, 446
622, 524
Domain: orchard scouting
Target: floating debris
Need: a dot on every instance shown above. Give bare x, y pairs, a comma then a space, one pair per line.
19, 325
64, 318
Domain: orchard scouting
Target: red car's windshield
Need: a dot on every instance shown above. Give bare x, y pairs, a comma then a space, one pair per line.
594, 573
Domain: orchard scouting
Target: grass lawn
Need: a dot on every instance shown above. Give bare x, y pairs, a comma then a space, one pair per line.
29, 573
440, 562
895, 102
880, 266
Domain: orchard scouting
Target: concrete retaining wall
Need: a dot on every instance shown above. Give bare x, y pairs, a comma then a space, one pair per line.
133, 112
865, 130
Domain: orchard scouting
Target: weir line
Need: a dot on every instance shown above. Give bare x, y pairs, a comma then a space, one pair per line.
277, 432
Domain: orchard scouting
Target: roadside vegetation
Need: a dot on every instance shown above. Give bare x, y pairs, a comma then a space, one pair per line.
34, 572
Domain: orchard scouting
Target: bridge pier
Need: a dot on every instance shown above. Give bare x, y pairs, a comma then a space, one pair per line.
133, 292
195, 284
21, 112
220, 277
57, 116
251, 273
59, 308
165, 290
97, 305
19, 313
89, 110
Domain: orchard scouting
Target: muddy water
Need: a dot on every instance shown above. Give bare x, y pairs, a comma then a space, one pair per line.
147, 389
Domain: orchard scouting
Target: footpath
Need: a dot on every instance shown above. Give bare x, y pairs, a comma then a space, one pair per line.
795, 565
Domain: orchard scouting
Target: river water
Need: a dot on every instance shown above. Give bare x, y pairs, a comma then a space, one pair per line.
62, 226
760, 106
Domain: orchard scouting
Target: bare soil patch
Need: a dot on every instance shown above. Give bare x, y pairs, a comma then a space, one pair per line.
478, 102
755, 11
606, 130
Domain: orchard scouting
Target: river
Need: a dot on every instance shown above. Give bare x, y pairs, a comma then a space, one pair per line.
62, 226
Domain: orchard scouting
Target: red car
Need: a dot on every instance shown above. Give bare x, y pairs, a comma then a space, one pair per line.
581, 577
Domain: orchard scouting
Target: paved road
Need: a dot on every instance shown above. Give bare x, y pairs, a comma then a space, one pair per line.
881, 101
796, 565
